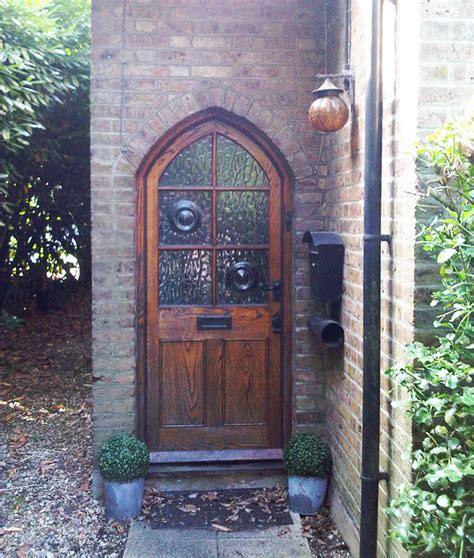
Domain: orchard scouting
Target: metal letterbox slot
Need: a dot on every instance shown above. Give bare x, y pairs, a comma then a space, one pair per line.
214, 322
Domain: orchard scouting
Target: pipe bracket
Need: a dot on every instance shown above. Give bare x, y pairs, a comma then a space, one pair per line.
378, 237
382, 476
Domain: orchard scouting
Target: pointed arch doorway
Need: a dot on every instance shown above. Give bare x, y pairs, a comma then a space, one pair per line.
214, 288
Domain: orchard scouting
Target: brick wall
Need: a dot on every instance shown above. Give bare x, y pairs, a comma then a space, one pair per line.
446, 61
155, 62
426, 45
446, 92
343, 212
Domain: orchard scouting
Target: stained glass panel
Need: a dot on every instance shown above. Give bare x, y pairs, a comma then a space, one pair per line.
185, 277
242, 217
185, 217
192, 166
236, 167
239, 276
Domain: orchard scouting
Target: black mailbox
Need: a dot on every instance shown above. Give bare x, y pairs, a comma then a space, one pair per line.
326, 260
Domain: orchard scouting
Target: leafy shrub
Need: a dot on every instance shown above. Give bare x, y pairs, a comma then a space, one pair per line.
124, 458
44, 144
434, 512
308, 455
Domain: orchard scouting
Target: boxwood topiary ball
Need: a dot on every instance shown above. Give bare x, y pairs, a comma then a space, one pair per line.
123, 458
308, 455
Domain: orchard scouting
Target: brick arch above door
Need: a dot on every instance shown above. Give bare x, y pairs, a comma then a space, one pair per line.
279, 131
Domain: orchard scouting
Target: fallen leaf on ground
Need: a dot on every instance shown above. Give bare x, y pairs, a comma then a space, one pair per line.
118, 527
46, 465
18, 440
220, 527
210, 496
188, 508
22, 551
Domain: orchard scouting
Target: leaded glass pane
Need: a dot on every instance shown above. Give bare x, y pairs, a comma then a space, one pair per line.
240, 274
185, 277
236, 167
242, 217
185, 217
192, 166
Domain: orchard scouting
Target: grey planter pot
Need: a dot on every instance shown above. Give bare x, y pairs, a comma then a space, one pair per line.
124, 499
306, 494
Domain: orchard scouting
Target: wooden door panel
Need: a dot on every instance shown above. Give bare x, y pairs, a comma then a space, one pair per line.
182, 383
214, 381
181, 322
214, 438
245, 382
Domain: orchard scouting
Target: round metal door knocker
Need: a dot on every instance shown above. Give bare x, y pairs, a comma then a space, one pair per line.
184, 216
242, 277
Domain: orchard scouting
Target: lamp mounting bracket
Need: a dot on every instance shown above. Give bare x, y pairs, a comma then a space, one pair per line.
347, 77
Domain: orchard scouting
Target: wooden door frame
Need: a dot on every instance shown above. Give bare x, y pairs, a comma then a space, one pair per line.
287, 181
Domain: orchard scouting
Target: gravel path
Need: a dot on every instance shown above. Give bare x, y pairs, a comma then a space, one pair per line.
45, 389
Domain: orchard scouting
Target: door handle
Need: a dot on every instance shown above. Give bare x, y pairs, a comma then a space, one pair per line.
275, 288
277, 323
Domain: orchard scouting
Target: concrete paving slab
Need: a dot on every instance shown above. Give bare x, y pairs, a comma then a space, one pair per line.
276, 542
263, 548
145, 542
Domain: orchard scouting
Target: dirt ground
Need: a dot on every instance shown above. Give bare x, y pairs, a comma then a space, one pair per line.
45, 445
45, 385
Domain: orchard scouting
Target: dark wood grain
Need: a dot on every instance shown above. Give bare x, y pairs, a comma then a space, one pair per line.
181, 321
140, 247
245, 382
182, 383
214, 381
214, 438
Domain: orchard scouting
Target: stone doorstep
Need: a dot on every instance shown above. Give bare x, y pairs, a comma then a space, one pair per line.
145, 542
217, 480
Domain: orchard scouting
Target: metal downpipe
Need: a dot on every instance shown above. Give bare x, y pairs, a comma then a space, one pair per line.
370, 475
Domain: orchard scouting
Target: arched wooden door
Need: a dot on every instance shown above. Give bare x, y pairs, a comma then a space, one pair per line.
215, 289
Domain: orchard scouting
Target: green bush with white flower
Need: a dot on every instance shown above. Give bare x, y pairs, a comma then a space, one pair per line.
308, 455
433, 515
123, 458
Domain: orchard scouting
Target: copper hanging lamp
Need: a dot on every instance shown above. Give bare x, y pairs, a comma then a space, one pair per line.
328, 112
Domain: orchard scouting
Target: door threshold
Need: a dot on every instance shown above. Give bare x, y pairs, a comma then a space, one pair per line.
272, 454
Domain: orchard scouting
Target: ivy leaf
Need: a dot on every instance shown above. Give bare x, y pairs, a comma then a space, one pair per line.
449, 416
453, 473
445, 255
443, 501
453, 443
